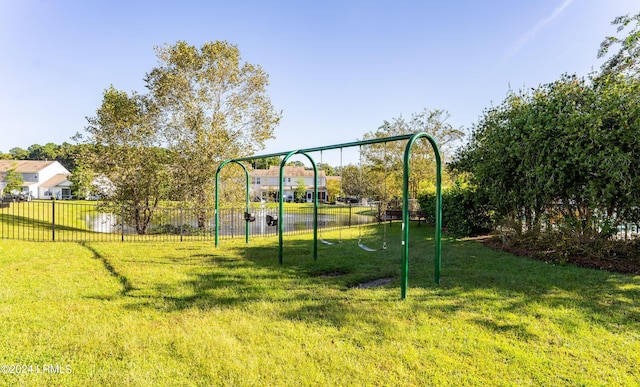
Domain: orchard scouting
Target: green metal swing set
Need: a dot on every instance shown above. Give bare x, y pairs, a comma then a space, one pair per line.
405, 198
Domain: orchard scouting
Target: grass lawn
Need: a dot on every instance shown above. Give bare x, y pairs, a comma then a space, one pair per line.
143, 314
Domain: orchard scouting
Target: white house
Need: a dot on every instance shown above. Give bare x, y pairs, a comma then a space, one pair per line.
265, 185
42, 179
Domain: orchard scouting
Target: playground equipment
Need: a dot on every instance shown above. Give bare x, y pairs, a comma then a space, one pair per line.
384, 230
405, 197
272, 220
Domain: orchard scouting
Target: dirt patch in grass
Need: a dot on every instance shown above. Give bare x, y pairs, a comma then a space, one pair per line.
375, 283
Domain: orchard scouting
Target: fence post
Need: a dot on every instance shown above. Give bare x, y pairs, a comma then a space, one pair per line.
181, 222
53, 218
122, 224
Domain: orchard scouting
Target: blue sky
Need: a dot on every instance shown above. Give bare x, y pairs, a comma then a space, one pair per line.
337, 69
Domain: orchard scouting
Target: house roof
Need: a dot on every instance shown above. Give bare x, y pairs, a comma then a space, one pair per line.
57, 180
25, 166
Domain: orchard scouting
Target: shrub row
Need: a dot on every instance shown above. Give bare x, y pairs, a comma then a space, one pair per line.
465, 211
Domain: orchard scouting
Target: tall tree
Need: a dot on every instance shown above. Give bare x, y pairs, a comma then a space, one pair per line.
126, 151
67, 154
265, 163
627, 59
301, 190
328, 169
49, 151
18, 153
333, 190
81, 179
352, 181
13, 180
385, 159
214, 107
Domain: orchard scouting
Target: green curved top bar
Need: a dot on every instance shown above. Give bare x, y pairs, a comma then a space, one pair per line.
405, 211
246, 173
281, 204
405, 197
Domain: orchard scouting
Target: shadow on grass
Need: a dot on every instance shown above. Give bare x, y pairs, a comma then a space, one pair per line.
519, 331
475, 278
237, 277
124, 282
25, 223
475, 281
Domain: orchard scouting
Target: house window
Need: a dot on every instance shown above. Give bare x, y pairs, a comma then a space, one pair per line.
258, 180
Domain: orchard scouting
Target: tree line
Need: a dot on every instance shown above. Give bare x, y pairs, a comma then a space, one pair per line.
66, 153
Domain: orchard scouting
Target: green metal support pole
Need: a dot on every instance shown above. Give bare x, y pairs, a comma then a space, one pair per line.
215, 216
216, 222
281, 204
248, 203
247, 181
405, 212
315, 208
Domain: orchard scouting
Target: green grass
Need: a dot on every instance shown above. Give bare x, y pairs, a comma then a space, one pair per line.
165, 314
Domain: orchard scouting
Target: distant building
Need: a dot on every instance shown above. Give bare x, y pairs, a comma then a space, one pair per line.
42, 179
265, 185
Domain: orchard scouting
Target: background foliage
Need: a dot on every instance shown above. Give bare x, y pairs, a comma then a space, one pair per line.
564, 154
466, 211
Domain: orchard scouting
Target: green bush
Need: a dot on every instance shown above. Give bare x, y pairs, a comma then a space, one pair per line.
465, 210
567, 150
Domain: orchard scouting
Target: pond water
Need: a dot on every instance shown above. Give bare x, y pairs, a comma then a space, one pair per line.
235, 225
231, 223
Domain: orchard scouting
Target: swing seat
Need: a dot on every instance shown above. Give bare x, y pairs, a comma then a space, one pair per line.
272, 220
326, 242
249, 217
365, 247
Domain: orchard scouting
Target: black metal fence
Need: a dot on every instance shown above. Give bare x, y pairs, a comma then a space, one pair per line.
70, 221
